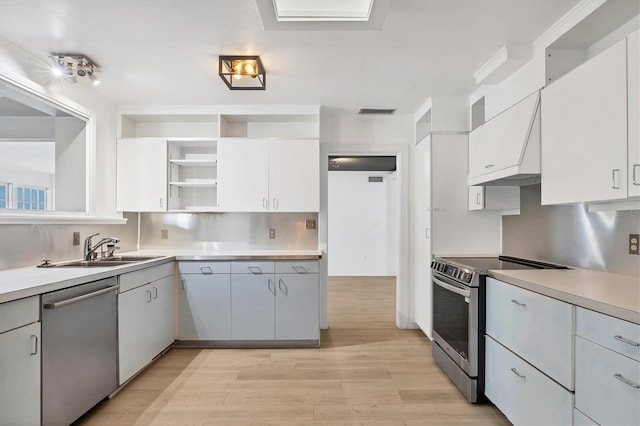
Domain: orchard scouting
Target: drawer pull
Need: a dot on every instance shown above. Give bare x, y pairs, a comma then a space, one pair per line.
522, 376
524, 305
206, 270
300, 269
34, 345
627, 341
626, 381
255, 270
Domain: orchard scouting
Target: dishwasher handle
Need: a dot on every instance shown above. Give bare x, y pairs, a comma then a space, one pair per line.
80, 298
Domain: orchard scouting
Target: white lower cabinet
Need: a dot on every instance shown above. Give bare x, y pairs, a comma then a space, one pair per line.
205, 307
524, 394
145, 321
297, 307
536, 327
20, 375
253, 306
607, 368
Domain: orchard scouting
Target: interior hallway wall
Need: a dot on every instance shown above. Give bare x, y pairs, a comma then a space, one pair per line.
361, 241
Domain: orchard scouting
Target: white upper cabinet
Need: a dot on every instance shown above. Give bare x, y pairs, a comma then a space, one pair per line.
633, 79
507, 148
584, 131
294, 175
268, 175
243, 170
141, 173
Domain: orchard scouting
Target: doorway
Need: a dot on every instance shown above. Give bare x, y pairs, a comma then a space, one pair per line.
363, 223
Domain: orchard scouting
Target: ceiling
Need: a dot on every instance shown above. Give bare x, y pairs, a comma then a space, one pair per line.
165, 51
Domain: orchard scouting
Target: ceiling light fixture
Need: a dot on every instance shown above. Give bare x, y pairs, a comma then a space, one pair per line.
242, 72
70, 66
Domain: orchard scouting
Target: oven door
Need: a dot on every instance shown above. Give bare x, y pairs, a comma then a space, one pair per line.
455, 321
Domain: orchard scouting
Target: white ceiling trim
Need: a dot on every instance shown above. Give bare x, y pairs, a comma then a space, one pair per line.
504, 63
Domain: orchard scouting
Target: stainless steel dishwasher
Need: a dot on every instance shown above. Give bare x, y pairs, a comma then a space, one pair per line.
79, 349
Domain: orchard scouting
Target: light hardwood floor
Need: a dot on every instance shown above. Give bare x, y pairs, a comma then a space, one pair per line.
366, 372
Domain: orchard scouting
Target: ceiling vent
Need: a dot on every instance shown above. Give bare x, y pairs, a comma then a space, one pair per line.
376, 111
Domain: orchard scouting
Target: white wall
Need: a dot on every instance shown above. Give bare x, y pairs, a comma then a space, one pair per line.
361, 235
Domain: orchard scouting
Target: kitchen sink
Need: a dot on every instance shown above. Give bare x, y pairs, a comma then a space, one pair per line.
91, 263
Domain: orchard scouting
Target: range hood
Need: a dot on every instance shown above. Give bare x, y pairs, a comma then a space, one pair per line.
505, 151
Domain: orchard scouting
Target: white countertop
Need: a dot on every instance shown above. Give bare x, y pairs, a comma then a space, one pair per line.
611, 294
18, 283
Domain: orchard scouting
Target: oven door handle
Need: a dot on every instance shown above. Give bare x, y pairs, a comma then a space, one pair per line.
452, 288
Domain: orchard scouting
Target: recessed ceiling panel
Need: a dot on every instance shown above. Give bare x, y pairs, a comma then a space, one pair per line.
323, 10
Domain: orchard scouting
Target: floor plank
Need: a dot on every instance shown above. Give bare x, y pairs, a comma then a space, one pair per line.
366, 372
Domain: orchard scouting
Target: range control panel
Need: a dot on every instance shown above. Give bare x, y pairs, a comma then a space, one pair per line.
455, 272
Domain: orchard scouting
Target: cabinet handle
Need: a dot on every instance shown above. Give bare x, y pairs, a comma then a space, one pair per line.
488, 166
300, 269
275, 204
524, 305
635, 174
426, 233
626, 381
161, 202
155, 292
255, 270
282, 284
206, 270
34, 345
265, 203
148, 296
522, 376
478, 198
269, 284
627, 341
615, 175
184, 283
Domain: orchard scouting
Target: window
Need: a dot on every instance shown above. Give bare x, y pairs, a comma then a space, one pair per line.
31, 198
3, 196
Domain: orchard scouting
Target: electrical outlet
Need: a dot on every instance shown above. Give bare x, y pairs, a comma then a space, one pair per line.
76, 238
634, 243
272, 234
310, 224
164, 234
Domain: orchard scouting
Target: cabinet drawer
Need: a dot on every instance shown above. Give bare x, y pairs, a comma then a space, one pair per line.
297, 267
521, 392
599, 394
613, 333
19, 312
252, 267
144, 276
537, 328
204, 267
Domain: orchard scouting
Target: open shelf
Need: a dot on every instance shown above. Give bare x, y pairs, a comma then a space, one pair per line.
194, 162
208, 183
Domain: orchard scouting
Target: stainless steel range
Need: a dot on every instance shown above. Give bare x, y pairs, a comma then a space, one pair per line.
459, 316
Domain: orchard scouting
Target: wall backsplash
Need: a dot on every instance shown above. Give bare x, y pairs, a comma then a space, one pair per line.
570, 235
25, 245
227, 231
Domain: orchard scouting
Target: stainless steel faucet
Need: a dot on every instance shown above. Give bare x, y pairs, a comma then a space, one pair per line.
90, 250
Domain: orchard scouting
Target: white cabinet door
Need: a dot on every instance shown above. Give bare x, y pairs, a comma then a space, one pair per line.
422, 240
523, 394
134, 307
161, 331
205, 307
20, 376
633, 81
141, 174
145, 325
252, 306
479, 153
297, 307
584, 131
243, 175
294, 175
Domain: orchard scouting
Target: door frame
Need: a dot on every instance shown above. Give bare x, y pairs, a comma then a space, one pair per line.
404, 311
